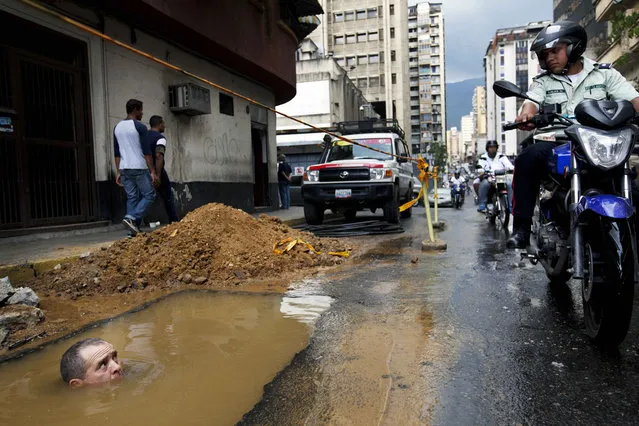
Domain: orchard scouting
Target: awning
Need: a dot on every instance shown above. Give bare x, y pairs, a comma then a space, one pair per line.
303, 7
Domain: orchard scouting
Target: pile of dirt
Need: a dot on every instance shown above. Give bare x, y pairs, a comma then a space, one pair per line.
213, 246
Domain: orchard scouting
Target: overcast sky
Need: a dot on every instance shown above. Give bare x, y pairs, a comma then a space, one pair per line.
471, 24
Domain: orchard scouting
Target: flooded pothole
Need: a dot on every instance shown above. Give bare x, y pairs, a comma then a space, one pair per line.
193, 358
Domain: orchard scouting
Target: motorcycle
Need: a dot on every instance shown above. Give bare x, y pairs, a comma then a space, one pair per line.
498, 208
457, 193
584, 223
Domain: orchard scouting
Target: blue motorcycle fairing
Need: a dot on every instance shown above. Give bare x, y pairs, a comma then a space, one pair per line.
606, 205
560, 161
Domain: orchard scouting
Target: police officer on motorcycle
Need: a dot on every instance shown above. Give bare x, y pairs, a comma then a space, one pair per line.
493, 161
568, 79
457, 179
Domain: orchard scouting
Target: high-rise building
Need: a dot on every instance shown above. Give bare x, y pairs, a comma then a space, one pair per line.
452, 145
466, 145
370, 42
479, 119
508, 57
427, 74
583, 12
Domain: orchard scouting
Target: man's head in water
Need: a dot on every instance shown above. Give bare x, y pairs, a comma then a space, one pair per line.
90, 361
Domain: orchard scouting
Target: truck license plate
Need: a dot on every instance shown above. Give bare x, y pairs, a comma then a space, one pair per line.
342, 193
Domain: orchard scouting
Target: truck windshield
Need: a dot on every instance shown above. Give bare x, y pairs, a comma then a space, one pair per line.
342, 150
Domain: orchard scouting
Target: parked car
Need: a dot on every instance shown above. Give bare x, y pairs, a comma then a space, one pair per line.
443, 195
417, 186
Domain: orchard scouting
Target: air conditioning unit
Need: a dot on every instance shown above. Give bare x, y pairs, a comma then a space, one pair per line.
189, 99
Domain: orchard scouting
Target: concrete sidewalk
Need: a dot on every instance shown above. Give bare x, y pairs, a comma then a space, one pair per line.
24, 257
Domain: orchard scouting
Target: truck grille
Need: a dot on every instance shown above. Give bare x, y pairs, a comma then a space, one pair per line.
344, 175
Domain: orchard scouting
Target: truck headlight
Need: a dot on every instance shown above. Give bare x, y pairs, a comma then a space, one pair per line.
312, 176
377, 174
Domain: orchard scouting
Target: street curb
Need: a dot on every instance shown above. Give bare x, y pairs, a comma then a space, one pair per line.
27, 271
437, 245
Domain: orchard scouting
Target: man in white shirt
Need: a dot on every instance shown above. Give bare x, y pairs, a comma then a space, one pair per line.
491, 161
134, 165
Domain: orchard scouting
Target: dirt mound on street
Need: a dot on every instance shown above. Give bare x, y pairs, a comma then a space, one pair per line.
214, 246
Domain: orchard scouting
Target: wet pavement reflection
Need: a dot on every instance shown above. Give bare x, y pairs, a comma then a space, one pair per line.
469, 336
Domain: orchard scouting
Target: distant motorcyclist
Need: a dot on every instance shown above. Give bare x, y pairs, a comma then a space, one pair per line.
490, 161
568, 79
457, 179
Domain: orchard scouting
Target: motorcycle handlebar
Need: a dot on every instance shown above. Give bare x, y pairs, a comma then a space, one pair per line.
509, 126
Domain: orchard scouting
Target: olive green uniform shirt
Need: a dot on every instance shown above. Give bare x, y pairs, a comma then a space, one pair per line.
600, 82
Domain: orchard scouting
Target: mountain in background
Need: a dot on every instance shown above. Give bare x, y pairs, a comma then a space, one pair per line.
459, 100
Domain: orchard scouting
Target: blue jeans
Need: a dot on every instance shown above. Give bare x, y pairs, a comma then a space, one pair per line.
285, 194
140, 193
484, 187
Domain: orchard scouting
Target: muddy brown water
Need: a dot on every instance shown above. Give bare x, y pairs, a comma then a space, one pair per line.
194, 358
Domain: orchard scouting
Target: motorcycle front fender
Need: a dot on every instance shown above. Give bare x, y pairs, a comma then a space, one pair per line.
605, 205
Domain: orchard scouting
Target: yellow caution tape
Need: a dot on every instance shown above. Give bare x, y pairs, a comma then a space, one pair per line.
423, 178
174, 233
292, 242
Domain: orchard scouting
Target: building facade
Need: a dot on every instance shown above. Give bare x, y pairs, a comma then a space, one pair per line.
370, 42
508, 57
453, 145
325, 96
68, 89
623, 51
426, 50
584, 13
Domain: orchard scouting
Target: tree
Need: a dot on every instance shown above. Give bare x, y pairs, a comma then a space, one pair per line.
625, 25
438, 152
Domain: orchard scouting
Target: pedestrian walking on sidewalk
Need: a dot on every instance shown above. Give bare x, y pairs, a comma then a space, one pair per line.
157, 143
284, 177
134, 165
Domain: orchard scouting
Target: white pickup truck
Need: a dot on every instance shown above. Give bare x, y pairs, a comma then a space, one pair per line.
351, 177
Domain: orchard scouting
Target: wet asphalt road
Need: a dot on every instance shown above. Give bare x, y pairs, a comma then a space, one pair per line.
469, 336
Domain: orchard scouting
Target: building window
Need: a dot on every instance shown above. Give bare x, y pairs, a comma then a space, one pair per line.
501, 50
391, 9
392, 55
501, 60
361, 14
361, 37
350, 38
373, 82
392, 32
339, 39
373, 36
362, 60
373, 59
349, 16
382, 80
503, 117
501, 75
226, 104
340, 61
372, 13
503, 141
362, 83
350, 61
338, 17
394, 78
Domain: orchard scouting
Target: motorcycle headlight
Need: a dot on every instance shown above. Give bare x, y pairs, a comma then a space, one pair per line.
377, 174
606, 149
312, 176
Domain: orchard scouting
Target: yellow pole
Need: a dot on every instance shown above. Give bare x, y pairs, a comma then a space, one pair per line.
427, 204
436, 196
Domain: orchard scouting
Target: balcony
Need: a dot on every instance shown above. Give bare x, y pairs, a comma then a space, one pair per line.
618, 49
605, 9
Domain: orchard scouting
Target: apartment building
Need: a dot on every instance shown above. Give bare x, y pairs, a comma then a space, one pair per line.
370, 41
508, 57
427, 79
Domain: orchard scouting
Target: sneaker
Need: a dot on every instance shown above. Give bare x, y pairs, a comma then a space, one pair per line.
130, 225
481, 208
519, 240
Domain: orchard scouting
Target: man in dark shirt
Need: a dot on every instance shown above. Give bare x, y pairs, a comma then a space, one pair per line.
284, 177
157, 143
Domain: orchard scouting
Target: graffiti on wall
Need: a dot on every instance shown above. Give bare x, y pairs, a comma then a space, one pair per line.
221, 151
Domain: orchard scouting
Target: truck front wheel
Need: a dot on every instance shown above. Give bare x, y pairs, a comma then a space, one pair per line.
313, 213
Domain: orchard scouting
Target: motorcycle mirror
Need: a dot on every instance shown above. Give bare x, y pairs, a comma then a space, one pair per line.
506, 89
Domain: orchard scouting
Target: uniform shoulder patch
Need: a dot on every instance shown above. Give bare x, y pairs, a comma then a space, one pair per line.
605, 66
540, 75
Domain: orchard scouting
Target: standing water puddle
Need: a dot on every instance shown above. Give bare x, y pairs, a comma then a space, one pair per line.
193, 358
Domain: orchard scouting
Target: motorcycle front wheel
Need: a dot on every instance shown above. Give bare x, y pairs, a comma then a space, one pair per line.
504, 211
610, 275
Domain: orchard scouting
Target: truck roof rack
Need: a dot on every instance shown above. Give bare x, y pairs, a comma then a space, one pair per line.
375, 125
